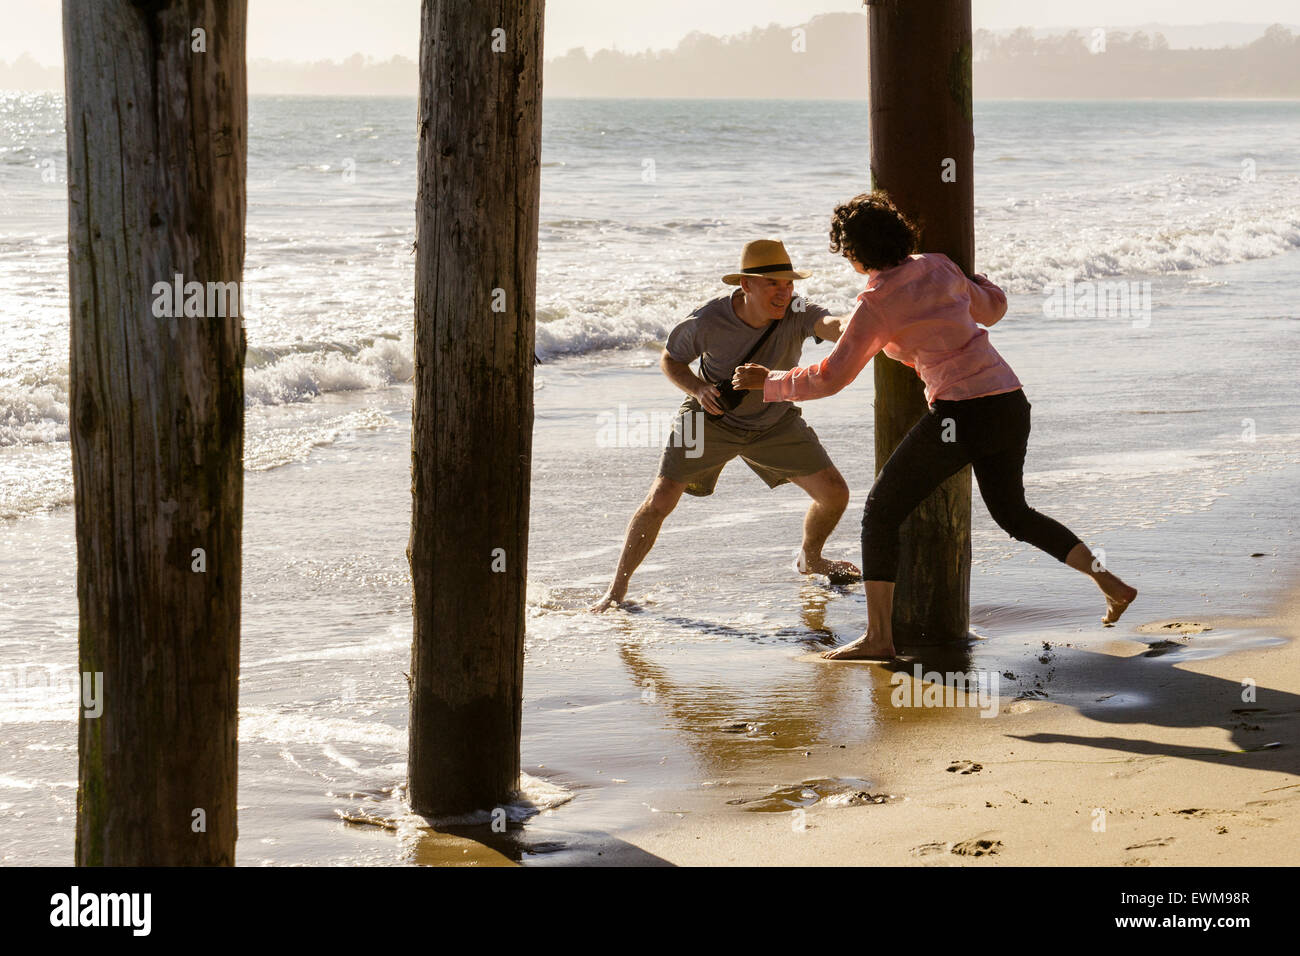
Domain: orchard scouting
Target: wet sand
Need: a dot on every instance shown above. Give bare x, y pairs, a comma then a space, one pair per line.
1132, 761
1125, 746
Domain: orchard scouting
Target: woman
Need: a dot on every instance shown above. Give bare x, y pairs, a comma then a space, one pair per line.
923, 311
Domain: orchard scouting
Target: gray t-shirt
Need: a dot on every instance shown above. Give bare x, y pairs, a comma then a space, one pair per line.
718, 337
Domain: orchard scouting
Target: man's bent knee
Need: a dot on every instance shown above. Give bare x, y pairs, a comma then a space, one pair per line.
838, 493
663, 497
827, 487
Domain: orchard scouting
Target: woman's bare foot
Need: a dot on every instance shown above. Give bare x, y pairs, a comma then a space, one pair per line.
865, 648
838, 572
1118, 594
1118, 597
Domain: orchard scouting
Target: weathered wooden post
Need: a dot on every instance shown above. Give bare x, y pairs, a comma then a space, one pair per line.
472, 417
156, 118
922, 149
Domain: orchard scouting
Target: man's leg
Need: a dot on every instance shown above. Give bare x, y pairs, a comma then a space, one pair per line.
641, 533
830, 496
790, 451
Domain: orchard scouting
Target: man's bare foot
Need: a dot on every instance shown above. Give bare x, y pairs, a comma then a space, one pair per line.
606, 601
1117, 600
865, 648
837, 572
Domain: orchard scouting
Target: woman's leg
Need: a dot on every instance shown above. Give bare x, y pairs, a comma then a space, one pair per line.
1001, 482
1118, 594
920, 463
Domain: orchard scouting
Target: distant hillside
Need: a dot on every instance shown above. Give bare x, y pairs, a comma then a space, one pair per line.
26, 74
355, 76
1133, 65
826, 58
1179, 36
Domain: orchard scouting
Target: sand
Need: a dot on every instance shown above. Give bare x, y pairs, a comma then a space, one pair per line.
1124, 764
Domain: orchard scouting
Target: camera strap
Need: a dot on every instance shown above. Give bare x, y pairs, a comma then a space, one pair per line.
751, 353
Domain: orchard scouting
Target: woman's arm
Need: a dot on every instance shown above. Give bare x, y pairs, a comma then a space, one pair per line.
988, 303
861, 340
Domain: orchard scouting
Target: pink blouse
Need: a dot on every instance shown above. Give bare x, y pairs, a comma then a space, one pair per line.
923, 313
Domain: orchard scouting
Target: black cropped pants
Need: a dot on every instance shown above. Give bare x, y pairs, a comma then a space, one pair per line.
991, 435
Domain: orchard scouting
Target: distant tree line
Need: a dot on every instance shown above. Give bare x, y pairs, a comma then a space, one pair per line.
827, 58
1115, 64
824, 59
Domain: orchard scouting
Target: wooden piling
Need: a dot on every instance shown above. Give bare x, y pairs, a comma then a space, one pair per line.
921, 137
476, 247
156, 173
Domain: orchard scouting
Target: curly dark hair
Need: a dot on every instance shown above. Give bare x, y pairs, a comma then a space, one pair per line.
870, 229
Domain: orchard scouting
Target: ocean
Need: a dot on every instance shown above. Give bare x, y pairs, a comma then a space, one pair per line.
1166, 433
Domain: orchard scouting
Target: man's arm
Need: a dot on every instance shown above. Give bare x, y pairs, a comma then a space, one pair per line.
831, 327
680, 374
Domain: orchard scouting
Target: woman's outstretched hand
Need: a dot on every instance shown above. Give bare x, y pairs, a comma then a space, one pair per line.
749, 378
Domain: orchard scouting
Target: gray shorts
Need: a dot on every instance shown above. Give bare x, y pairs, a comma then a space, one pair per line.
698, 449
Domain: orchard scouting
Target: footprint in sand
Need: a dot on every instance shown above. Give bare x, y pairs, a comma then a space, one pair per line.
1241, 817
929, 849
1161, 841
1026, 705
965, 766
1177, 625
1160, 648
983, 845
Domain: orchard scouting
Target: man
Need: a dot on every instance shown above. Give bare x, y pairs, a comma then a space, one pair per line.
771, 437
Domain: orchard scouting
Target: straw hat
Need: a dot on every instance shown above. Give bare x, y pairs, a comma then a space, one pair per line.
765, 259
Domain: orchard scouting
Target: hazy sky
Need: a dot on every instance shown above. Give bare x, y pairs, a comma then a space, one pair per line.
334, 29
